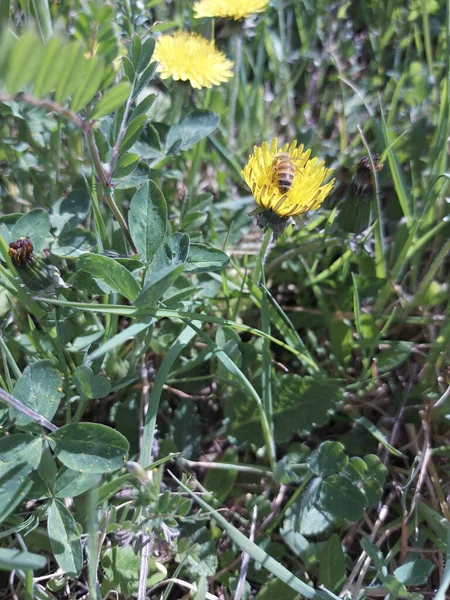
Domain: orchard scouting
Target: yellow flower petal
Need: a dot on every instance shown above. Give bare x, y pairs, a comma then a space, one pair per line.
308, 190
232, 9
191, 57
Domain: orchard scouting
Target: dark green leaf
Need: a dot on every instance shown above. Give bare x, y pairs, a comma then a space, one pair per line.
275, 588
132, 133
157, 284
74, 243
126, 165
135, 50
111, 100
148, 48
148, 220
69, 212
70, 483
34, 225
186, 429
90, 385
64, 539
332, 564
14, 485
306, 516
204, 259
40, 388
145, 78
341, 498
219, 482
21, 447
329, 458
115, 275
192, 129
89, 447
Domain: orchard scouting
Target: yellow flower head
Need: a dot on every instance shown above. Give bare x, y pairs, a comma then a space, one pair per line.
232, 9
285, 180
191, 57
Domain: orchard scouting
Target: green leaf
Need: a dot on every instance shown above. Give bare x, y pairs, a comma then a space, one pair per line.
145, 78
126, 165
89, 447
74, 243
341, 498
329, 458
34, 225
40, 388
64, 539
204, 259
415, 572
64, 87
14, 485
305, 515
132, 133
112, 99
123, 336
148, 48
148, 220
378, 435
21, 447
90, 385
191, 130
122, 566
70, 483
332, 564
135, 50
23, 62
92, 79
111, 272
220, 482
186, 429
52, 65
275, 588
157, 284
11, 560
70, 211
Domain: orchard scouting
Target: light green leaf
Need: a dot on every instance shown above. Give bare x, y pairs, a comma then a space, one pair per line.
40, 388
115, 275
111, 100
414, 572
148, 220
64, 539
89, 447
73, 54
23, 62
90, 385
52, 65
11, 560
92, 73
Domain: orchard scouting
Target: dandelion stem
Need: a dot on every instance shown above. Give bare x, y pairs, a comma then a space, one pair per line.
261, 258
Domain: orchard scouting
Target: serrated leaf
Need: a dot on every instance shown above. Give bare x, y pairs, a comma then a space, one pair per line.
148, 220
64, 539
40, 388
115, 275
89, 447
111, 100
23, 62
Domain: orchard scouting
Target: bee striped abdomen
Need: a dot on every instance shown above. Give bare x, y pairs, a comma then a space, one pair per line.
284, 172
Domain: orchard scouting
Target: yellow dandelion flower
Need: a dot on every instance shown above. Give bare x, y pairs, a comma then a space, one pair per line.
232, 9
304, 190
191, 57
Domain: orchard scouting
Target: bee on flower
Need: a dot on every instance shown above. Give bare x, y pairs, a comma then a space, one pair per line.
285, 183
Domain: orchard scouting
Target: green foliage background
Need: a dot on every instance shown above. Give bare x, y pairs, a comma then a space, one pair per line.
164, 408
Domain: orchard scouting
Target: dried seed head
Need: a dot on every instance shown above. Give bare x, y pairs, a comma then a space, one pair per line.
21, 252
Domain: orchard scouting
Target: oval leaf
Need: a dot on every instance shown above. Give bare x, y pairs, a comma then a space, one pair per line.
203, 259
115, 275
64, 539
34, 225
191, 130
39, 388
113, 98
341, 498
89, 447
10, 560
148, 220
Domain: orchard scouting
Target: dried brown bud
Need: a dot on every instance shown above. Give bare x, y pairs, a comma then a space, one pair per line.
21, 252
362, 184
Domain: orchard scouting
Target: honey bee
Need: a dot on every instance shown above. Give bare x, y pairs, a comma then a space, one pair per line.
284, 171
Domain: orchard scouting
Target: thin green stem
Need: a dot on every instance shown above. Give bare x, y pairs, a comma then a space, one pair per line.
261, 258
